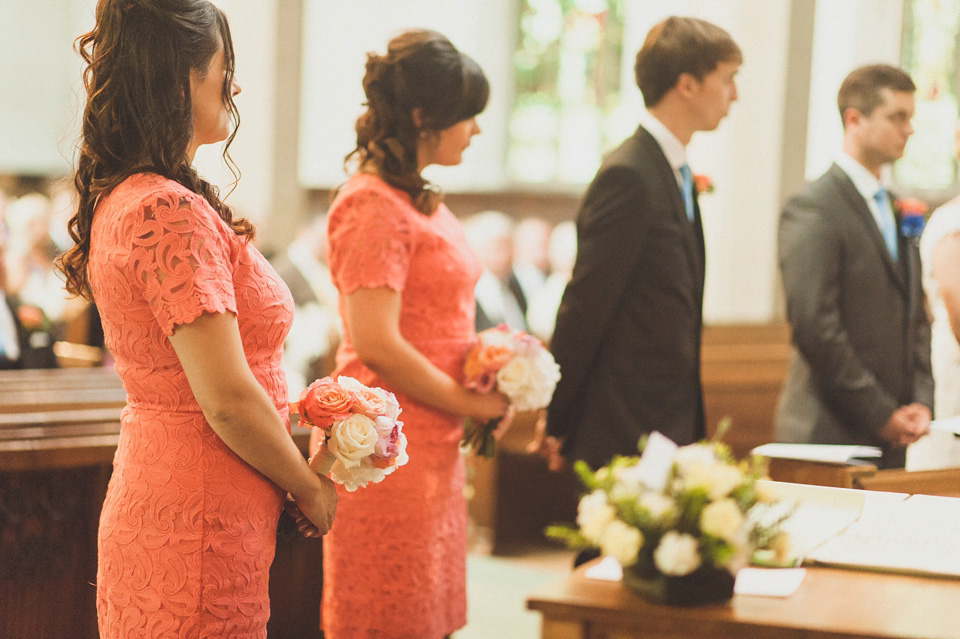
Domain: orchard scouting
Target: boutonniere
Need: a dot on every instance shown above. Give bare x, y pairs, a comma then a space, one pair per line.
702, 184
32, 318
912, 213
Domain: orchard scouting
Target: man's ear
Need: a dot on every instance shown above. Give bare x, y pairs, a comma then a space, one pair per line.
417, 115
851, 117
686, 84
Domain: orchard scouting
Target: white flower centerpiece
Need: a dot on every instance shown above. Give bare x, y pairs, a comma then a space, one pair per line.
680, 520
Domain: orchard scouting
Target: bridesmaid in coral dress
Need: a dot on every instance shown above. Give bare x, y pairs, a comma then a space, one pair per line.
195, 319
395, 561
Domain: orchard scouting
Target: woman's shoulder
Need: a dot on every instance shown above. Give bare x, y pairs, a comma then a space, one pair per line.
368, 185
365, 195
944, 220
146, 188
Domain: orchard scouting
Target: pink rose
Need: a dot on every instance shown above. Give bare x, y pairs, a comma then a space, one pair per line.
366, 401
388, 433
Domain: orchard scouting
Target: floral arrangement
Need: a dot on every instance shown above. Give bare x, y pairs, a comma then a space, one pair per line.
514, 363
702, 184
912, 216
363, 438
699, 509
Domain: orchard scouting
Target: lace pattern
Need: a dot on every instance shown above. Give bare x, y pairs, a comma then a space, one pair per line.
187, 530
395, 561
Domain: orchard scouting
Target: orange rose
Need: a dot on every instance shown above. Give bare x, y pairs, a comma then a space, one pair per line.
471, 367
323, 401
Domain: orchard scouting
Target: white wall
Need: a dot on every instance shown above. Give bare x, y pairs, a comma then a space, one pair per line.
847, 34
337, 34
40, 87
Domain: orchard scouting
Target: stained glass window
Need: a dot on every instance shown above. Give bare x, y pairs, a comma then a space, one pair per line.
567, 69
929, 54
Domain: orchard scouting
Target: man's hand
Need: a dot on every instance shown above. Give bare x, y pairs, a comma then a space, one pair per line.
546, 446
907, 424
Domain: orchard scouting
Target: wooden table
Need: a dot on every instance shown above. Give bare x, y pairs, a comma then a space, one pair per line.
831, 603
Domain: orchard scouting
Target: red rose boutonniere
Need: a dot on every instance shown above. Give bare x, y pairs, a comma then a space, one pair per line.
32, 318
912, 213
702, 184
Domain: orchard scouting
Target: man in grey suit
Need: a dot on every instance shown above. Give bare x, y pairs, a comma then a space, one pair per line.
627, 337
860, 367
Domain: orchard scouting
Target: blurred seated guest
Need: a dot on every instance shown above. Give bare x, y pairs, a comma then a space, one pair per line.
25, 340
500, 299
531, 260
562, 252
313, 339
30, 254
62, 205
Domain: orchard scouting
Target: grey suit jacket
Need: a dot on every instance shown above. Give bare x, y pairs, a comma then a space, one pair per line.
627, 337
861, 338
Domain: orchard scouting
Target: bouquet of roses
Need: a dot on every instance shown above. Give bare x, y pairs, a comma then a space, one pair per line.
676, 511
517, 365
363, 438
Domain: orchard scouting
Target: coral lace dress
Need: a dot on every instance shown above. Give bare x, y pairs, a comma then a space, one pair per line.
395, 560
188, 529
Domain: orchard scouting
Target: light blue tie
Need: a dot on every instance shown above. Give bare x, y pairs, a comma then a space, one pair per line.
888, 228
687, 176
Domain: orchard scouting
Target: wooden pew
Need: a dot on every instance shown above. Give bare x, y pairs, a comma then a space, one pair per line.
743, 369
58, 434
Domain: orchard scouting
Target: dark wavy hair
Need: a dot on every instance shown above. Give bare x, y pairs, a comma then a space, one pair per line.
421, 70
138, 115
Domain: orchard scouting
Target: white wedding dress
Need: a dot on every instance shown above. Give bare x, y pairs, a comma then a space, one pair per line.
939, 449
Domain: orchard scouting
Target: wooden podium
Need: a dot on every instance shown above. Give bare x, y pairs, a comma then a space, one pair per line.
944, 482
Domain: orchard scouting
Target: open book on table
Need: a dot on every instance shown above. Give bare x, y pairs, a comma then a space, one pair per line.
873, 530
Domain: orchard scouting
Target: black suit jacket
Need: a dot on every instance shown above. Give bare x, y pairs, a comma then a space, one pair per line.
861, 338
628, 329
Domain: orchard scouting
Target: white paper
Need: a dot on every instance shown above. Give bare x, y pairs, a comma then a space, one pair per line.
827, 453
816, 512
655, 463
917, 534
607, 569
768, 582
948, 425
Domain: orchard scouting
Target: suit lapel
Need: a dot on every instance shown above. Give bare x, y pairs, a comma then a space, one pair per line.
691, 233
857, 204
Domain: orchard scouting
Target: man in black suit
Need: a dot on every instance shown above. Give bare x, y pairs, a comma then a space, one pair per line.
860, 367
628, 329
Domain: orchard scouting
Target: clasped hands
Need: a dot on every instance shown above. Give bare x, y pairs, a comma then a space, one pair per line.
906, 425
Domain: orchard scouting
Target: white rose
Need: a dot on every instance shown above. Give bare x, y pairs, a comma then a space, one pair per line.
718, 478
622, 542
694, 456
529, 382
677, 554
660, 507
594, 513
353, 439
722, 519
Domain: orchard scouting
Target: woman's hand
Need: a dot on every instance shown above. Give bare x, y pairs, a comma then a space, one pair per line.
484, 406
314, 511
